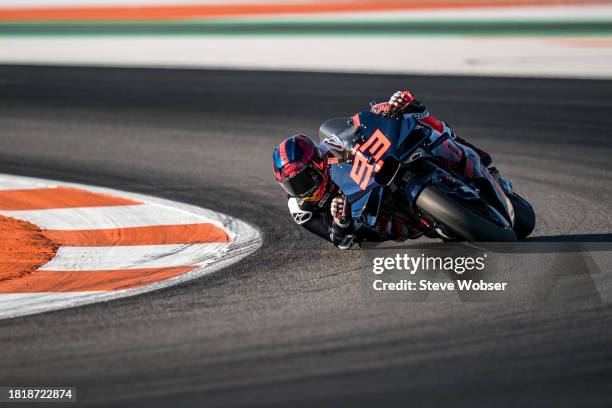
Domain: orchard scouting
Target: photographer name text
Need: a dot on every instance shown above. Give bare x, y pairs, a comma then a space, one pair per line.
413, 264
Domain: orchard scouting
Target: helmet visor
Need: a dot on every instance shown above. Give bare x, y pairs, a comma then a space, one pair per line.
303, 183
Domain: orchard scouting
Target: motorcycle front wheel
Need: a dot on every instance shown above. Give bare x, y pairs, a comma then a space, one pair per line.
463, 221
524, 216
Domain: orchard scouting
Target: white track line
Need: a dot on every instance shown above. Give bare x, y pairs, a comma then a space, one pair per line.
12, 184
131, 257
597, 12
123, 216
20, 304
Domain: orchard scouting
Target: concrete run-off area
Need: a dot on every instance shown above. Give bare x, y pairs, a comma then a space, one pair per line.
537, 38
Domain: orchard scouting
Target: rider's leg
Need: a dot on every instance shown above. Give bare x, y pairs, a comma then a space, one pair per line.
485, 158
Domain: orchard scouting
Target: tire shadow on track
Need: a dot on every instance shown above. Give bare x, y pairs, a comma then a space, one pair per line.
572, 238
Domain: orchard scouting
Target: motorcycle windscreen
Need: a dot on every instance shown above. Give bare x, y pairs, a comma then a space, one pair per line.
335, 131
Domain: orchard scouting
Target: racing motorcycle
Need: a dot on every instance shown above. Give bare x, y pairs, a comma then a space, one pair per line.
400, 167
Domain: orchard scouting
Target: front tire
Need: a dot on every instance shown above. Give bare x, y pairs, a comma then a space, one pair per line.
524, 216
464, 222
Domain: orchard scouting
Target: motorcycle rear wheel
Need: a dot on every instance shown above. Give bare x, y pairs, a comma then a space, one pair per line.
464, 222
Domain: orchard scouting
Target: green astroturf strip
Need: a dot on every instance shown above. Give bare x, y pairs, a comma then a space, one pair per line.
312, 27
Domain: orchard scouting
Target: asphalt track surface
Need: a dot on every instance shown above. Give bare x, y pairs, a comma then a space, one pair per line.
289, 326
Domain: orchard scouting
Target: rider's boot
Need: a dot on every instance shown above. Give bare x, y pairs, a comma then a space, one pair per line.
487, 160
503, 182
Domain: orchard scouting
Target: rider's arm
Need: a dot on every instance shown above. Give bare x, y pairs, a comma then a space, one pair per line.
404, 102
313, 218
320, 222
400, 102
342, 229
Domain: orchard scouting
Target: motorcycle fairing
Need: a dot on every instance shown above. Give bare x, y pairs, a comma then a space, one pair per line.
362, 143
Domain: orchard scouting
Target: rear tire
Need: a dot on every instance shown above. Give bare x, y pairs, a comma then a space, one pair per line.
524, 216
464, 222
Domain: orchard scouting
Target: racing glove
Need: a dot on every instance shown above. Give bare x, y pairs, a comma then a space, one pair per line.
399, 102
340, 211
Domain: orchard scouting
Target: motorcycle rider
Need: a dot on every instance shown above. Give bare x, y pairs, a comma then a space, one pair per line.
318, 205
